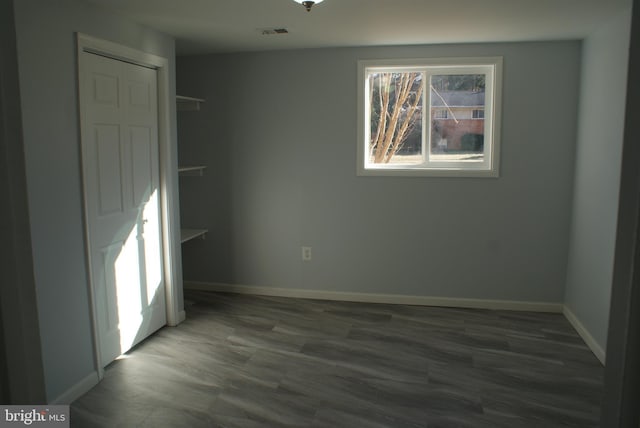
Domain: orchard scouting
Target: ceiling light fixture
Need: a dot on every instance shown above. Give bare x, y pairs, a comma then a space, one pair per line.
308, 4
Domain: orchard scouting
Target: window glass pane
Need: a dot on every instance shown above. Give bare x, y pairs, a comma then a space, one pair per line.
457, 118
395, 116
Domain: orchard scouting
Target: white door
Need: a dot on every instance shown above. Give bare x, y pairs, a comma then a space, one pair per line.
121, 180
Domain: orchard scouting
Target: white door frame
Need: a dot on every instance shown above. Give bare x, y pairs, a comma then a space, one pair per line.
167, 162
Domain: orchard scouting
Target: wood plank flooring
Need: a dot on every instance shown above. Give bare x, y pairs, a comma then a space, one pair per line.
251, 361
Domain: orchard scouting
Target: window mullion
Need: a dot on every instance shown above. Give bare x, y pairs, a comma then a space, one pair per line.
426, 118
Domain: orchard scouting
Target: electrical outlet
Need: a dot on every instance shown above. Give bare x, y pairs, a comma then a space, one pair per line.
306, 254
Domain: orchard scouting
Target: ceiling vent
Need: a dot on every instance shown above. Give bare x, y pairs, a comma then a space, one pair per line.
272, 31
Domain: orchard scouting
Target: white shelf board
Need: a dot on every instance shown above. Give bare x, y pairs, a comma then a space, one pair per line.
189, 234
192, 169
188, 103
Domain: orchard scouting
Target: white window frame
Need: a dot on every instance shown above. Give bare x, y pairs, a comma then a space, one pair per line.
491, 66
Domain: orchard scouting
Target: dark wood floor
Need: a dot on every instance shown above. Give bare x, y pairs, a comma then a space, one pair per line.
249, 361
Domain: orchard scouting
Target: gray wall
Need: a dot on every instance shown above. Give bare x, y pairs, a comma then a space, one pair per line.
22, 376
597, 179
47, 63
278, 132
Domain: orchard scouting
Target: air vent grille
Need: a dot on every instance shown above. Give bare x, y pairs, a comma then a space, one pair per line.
273, 31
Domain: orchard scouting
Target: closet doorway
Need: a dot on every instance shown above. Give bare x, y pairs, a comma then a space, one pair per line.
128, 250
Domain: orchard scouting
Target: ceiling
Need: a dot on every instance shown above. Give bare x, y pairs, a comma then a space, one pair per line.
213, 26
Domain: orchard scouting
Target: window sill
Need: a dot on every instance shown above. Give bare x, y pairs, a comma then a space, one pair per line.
431, 172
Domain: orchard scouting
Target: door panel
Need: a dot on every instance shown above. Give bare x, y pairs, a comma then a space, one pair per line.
141, 154
110, 337
109, 165
140, 95
120, 162
105, 89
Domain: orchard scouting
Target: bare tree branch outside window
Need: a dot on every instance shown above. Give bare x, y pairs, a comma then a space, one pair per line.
396, 106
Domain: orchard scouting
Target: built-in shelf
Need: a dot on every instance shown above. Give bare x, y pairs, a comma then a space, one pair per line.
192, 170
188, 103
189, 234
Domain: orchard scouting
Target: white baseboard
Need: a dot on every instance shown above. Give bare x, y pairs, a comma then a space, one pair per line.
378, 298
77, 390
182, 315
595, 347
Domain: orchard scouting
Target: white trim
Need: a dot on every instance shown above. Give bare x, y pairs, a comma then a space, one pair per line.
396, 299
591, 342
78, 390
167, 163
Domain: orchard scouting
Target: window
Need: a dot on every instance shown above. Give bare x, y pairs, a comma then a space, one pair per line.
437, 117
440, 114
478, 114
